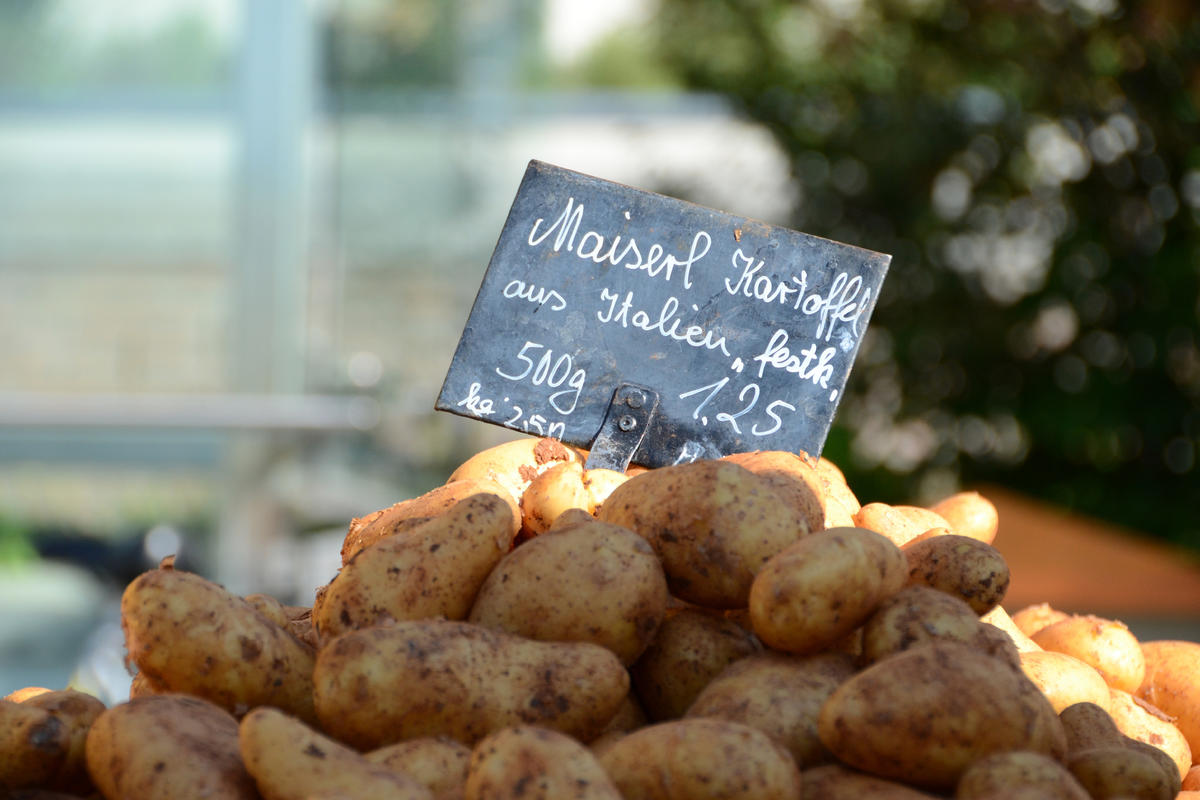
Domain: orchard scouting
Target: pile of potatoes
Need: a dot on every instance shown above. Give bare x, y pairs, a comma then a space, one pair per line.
733, 628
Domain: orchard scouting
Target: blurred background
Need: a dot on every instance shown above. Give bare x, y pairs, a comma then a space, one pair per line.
239, 240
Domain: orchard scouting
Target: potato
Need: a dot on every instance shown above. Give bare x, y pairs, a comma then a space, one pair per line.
1064, 679
969, 514
690, 649
914, 616
382, 685
406, 514
836, 782
821, 588
1105, 644
190, 635
515, 464
77, 711
1000, 619
290, 761
713, 524
34, 745
565, 487
1033, 618
701, 758
296, 620
924, 715
1191, 781
167, 747
1020, 775
531, 763
141, 685
1172, 684
837, 489
590, 582
899, 523
966, 568
1120, 772
781, 695
1140, 720
432, 570
797, 481
1087, 726
24, 693
436, 762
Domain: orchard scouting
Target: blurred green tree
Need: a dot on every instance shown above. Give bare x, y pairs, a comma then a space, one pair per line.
1034, 168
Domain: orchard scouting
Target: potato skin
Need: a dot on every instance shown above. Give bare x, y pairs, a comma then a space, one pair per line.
923, 715
966, 568
713, 524
1172, 684
592, 582
821, 588
382, 685
695, 759
1065, 680
290, 761
691, 648
533, 763
432, 570
167, 747
1000, 619
779, 694
367, 530
1107, 645
436, 762
1018, 774
190, 635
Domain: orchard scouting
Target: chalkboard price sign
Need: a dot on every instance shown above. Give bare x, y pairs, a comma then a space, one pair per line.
745, 331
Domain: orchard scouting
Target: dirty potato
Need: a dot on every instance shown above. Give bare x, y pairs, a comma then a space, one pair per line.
404, 515
699, 759
432, 570
691, 648
436, 762
924, 715
779, 694
966, 568
188, 634
916, 615
77, 711
1019, 775
819, 589
526, 762
382, 685
713, 524
590, 582
290, 761
167, 747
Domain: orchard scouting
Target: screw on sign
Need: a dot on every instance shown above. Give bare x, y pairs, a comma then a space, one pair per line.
598, 294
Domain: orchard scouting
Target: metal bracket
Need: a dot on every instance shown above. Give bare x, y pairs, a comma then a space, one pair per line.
625, 424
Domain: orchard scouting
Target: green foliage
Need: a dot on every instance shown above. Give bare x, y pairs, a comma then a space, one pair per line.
1032, 165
